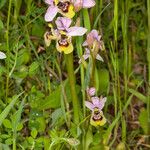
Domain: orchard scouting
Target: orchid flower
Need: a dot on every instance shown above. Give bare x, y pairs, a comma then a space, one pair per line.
93, 43
64, 7
50, 35
78, 4
64, 42
2, 55
96, 106
87, 54
93, 38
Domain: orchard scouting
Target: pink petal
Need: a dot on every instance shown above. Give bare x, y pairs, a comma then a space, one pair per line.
77, 4
102, 102
76, 31
85, 43
63, 23
87, 51
88, 3
51, 13
95, 101
89, 105
50, 2
86, 56
94, 33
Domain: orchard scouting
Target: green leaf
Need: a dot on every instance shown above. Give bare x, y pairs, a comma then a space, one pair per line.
17, 116
54, 99
4, 147
138, 94
9, 141
103, 80
33, 68
34, 133
5, 112
7, 123
30, 140
23, 57
38, 29
2, 3
143, 119
89, 137
20, 126
42, 124
56, 115
72, 141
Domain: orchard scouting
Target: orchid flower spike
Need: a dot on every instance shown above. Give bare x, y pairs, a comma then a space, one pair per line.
96, 106
64, 7
64, 42
2, 55
78, 4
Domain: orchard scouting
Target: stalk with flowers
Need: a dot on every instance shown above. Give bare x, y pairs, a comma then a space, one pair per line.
62, 29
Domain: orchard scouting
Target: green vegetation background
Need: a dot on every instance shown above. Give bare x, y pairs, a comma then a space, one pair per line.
35, 101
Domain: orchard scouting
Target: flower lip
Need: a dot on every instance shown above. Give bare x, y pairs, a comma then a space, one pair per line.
64, 6
63, 41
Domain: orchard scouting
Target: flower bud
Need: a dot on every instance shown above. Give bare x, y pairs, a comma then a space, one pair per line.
91, 91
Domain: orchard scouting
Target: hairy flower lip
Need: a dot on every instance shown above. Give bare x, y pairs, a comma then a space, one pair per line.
64, 6
97, 120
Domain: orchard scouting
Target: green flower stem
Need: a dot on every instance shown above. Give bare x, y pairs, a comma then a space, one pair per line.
92, 75
72, 81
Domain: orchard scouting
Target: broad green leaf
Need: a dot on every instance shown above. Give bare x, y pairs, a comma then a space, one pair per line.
89, 137
34, 133
103, 75
5, 112
9, 141
54, 99
143, 119
30, 140
20, 126
33, 68
138, 94
17, 116
57, 114
4, 146
23, 57
7, 123
2, 3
